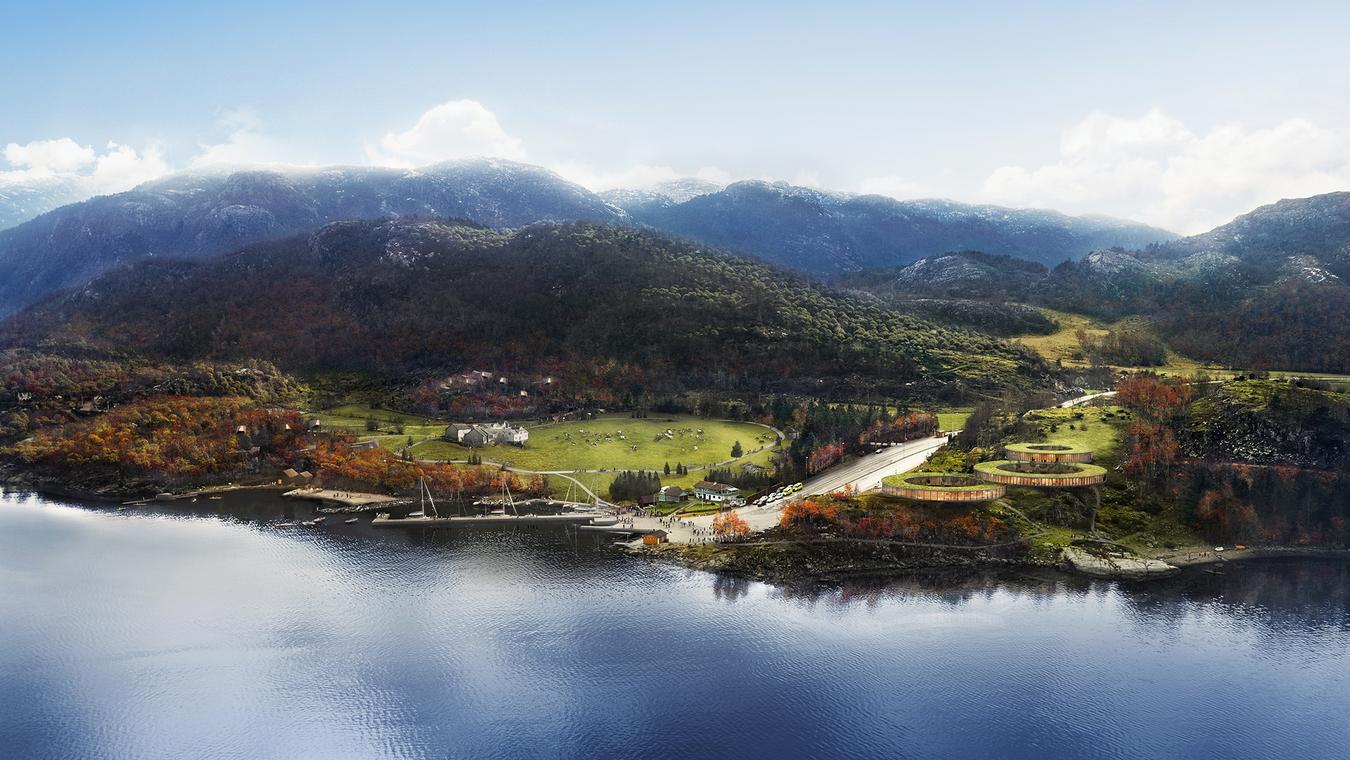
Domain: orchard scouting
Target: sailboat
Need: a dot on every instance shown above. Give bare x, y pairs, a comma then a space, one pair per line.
424, 492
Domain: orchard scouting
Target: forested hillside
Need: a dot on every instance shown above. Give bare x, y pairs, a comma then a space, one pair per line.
396, 298
204, 214
1267, 291
824, 233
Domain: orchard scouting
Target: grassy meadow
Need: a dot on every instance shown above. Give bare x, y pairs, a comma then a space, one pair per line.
609, 443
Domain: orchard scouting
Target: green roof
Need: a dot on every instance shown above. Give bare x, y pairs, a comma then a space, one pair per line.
903, 481
1048, 447
1080, 469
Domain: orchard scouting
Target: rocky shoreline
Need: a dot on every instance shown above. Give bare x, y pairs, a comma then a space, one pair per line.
824, 561
832, 561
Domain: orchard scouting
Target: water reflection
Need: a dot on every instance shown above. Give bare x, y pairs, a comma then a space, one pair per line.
157, 633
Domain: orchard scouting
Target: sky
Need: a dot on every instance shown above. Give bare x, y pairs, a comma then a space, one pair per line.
1181, 115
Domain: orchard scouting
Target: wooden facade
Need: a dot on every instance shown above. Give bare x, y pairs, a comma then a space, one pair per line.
951, 489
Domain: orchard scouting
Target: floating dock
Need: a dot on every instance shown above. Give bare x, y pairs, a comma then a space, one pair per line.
571, 518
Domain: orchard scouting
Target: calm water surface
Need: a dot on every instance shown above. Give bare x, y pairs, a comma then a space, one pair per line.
133, 635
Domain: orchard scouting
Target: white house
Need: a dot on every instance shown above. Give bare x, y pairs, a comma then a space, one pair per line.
716, 493
482, 435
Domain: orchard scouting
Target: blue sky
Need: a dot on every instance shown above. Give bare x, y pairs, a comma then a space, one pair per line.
1179, 114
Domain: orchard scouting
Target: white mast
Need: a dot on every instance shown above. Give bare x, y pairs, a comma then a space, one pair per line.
426, 497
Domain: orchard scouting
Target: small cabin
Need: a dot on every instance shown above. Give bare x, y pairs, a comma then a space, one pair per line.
656, 537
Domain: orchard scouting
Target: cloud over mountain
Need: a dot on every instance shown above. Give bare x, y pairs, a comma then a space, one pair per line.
451, 130
1157, 169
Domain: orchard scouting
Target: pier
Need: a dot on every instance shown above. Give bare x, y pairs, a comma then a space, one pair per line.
569, 518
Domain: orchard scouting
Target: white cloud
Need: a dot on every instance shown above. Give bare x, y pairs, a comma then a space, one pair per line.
891, 185
119, 167
62, 155
122, 167
1156, 169
455, 129
245, 145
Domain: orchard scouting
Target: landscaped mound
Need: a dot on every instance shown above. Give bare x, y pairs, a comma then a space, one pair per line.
938, 486
1047, 452
1041, 474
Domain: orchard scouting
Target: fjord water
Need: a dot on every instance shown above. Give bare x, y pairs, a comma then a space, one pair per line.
132, 635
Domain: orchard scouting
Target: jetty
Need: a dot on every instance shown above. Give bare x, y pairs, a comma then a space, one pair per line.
344, 498
428, 521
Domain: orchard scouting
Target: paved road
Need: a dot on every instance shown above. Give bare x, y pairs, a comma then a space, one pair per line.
1084, 399
864, 474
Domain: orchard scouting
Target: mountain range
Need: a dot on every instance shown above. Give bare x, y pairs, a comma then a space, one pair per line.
21, 201
824, 233
1269, 289
197, 215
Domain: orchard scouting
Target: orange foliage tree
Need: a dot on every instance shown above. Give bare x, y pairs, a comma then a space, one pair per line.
807, 513
730, 526
170, 436
1155, 398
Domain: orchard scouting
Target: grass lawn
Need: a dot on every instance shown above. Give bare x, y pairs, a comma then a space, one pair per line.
618, 442
1062, 344
1102, 433
689, 509
352, 418
953, 419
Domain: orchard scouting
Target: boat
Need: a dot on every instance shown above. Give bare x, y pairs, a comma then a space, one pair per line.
283, 525
351, 520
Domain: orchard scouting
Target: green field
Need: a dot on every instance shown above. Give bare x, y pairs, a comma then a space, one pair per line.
1096, 428
351, 418
622, 443
610, 443
953, 419
1062, 344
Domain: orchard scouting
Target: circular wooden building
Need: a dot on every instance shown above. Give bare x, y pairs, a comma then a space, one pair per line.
941, 487
1047, 452
1041, 474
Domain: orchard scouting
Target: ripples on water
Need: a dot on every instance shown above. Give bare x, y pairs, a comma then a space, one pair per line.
125, 634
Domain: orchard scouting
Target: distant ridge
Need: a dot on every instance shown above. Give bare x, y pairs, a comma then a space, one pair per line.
825, 233
196, 215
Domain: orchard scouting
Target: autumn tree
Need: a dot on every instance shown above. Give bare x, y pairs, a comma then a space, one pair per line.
730, 526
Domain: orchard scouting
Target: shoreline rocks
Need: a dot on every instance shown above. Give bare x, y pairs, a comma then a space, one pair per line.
1118, 565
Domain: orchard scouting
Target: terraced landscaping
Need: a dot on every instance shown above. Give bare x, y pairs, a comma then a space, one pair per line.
940, 487
1041, 474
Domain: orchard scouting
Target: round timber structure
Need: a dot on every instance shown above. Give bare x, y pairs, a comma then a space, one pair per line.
1047, 452
1041, 474
941, 487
